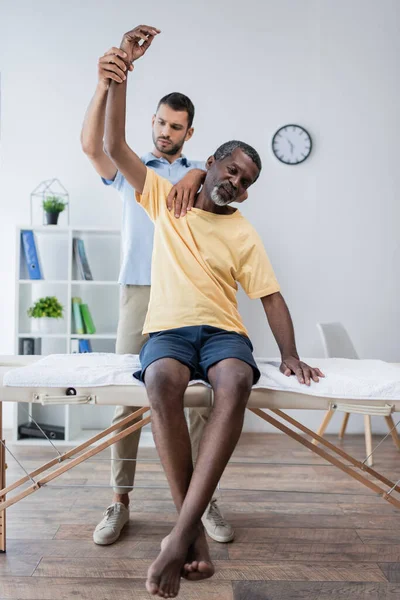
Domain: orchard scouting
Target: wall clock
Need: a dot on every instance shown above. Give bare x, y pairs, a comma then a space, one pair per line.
291, 144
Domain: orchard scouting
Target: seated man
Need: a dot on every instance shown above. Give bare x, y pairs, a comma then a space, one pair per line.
172, 126
196, 331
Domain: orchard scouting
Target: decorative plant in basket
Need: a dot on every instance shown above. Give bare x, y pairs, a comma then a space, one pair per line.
53, 206
44, 313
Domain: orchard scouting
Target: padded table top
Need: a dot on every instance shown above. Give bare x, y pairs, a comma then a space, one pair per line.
196, 395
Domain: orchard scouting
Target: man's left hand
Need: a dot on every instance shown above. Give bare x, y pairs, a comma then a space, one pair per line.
304, 373
137, 41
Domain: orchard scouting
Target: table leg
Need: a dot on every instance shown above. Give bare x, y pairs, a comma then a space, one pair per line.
2, 485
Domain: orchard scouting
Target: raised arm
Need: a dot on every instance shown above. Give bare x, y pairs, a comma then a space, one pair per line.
115, 144
111, 66
281, 324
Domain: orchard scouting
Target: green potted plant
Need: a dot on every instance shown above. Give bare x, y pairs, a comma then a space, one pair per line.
45, 313
53, 206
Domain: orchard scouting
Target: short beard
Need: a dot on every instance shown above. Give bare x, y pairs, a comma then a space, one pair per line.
171, 150
217, 198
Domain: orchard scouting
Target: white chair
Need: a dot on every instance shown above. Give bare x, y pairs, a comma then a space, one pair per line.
337, 344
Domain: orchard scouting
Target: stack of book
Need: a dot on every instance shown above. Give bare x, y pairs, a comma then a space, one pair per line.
29, 346
83, 325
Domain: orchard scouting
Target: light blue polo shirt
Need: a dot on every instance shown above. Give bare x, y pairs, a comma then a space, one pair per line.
137, 229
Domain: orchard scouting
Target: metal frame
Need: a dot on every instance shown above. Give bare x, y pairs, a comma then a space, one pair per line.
356, 469
3, 467
45, 188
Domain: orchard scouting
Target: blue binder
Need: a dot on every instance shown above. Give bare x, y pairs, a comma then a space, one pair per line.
85, 346
31, 255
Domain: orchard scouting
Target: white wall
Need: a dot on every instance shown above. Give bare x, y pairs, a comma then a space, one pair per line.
331, 225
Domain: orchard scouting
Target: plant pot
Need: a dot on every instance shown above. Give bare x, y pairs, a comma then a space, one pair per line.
51, 218
44, 325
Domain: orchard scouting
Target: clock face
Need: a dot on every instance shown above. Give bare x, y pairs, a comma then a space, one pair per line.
291, 144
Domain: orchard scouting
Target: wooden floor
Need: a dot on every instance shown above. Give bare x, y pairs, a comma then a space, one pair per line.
305, 531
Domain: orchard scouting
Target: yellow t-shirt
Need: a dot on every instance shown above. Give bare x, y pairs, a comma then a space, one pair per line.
197, 261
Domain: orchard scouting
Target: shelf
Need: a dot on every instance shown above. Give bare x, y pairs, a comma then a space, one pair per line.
83, 336
42, 335
54, 245
93, 336
90, 282
64, 229
96, 230
52, 281
146, 440
46, 229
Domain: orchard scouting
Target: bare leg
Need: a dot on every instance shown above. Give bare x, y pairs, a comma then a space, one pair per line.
231, 380
166, 381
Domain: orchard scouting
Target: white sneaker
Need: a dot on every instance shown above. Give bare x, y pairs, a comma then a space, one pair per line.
109, 529
217, 528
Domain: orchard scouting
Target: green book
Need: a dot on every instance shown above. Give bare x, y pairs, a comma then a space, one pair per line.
87, 319
77, 315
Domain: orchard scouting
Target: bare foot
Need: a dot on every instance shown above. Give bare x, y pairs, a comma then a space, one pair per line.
163, 576
198, 565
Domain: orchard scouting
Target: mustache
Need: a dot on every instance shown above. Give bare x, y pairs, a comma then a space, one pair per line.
229, 188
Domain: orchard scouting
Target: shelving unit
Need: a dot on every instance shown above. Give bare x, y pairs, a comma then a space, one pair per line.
62, 279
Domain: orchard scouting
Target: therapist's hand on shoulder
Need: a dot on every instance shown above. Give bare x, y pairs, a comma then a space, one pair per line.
182, 196
304, 373
137, 41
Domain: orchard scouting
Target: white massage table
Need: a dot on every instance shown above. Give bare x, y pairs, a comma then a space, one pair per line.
367, 387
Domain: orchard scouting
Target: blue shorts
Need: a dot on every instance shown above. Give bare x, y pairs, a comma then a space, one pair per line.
198, 347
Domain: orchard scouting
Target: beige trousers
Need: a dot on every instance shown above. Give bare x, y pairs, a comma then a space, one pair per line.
134, 300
